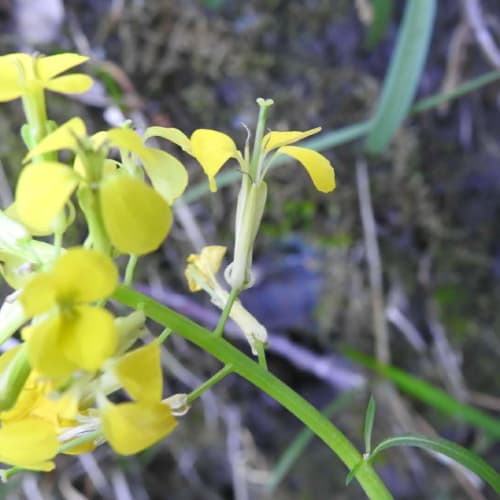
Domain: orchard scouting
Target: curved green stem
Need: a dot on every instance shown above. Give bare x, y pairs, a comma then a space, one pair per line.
219, 330
271, 385
214, 379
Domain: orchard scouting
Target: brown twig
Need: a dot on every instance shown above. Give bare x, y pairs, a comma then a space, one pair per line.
382, 350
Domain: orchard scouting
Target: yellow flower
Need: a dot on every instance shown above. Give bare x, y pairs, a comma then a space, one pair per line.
71, 334
133, 426
137, 219
213, 149
21, 73
201, 274
28, 437
30, 443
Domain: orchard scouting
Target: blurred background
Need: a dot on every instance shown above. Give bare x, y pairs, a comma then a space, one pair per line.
434, 200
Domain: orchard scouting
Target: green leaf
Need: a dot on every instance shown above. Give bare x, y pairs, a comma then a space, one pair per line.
382, 13
445, 447
431, 395
404, 73
301, 441
435, 100
247, 368
354, 471
369, 418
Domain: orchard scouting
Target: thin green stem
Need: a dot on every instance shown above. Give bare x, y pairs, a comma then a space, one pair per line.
164, 335
129, 271
223, 372
219, 330
264, 105
261, 354
264, 380
91, 436
58, 243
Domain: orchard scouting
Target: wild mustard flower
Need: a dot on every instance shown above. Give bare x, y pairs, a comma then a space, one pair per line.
136, 218
212, 149
25, 76
201, 274
21, 73
70, 334
133, 426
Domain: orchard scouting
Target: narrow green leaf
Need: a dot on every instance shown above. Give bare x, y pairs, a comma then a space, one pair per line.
431, 395
470, 86
369, 419
353, 472
382, 14
404, 73
304, 437
445, 447
247, 368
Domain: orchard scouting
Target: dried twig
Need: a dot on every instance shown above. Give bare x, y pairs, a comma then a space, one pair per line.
472, 12
382, 351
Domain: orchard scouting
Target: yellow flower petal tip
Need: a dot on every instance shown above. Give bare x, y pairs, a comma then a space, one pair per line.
277, 139
318, 167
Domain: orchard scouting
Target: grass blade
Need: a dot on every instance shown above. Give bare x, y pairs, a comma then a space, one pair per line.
403, 75
369, 419
382, 13
431, 395
435, 100
448, 448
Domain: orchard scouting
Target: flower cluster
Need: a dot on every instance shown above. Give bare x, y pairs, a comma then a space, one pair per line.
78, 375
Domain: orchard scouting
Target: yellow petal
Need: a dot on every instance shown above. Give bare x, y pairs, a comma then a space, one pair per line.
28, 443
89, 337
10, 79
202, 268
64, 137
39, 295
139, 372
210, 259
132, 427
170, 134
127, 139
137, 218
77, 83
276, 139
212, 149
42, 191
318, 167
50, 66
84, 275
167, 174
45, 350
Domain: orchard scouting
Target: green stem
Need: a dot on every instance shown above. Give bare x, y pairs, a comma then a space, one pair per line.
261, 354
268, 383
164, 335
219, 330
129, 271
90, 205
264, 105
223, 372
